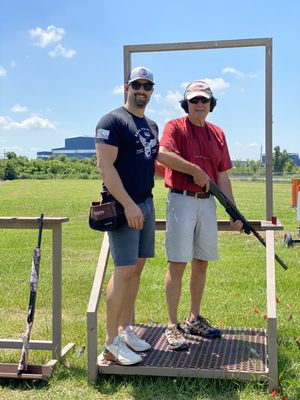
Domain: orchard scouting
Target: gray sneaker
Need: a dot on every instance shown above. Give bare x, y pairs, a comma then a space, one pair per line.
200, 326
175, 338
120, 353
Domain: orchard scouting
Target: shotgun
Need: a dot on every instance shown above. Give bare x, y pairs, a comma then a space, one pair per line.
234, 213
34, 278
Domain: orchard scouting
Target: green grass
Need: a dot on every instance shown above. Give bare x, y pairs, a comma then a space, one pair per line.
235, 287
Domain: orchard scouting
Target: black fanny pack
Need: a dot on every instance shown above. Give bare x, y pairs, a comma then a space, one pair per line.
107, 214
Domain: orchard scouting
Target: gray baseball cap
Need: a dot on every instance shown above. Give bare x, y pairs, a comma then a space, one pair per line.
140, 73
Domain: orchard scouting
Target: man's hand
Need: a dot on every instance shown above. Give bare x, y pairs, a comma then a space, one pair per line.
201, 178
237, 225
134, 216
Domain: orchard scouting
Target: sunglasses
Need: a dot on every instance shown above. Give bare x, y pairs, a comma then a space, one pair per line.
196, 100
137, 85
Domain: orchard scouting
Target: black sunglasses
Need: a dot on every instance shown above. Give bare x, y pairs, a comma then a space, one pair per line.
137, 85
196, 100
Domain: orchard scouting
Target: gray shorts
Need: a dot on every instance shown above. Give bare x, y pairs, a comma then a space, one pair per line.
129, 244
191, 230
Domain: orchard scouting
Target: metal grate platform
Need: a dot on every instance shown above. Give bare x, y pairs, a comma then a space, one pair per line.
240, 353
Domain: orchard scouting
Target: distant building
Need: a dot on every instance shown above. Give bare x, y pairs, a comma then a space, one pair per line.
44, 154
79, 147
292, 156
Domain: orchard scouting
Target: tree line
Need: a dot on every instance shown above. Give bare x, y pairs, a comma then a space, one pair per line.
282, 165
62, 167
55, 167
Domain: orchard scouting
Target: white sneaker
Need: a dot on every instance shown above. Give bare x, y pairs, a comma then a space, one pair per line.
133, 341
120, 353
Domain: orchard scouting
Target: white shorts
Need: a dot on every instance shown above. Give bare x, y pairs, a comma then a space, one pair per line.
191, 228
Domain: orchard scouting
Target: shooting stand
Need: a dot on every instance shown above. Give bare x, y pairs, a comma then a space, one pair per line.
241, 353
41, 372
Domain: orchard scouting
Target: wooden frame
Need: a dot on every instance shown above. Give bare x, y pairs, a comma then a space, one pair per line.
45, 371
222, 44
271, 373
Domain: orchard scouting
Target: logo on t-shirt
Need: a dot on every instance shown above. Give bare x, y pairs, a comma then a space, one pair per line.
147, 142
102, 134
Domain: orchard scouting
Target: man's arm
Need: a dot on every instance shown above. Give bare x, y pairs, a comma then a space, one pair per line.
225, 186
159, 169
174, 161
106, 156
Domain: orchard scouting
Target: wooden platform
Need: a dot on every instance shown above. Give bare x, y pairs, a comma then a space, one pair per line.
40, 372
8, 370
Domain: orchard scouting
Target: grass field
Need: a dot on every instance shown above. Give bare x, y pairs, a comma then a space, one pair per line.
235, 289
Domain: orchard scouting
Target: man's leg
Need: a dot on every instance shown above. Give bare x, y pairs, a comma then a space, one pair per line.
117, 299
195, 323
197, 286
127, 316
116, 304
173, 291
173, 284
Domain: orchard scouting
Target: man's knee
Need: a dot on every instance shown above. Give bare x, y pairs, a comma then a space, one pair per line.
124, 274
199, 265
176, 270
140, 266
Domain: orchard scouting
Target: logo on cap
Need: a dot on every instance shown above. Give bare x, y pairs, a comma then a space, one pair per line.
143, 72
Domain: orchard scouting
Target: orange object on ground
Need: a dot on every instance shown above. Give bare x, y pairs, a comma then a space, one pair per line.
295, 189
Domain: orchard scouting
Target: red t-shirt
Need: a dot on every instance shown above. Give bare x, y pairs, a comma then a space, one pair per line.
204, 146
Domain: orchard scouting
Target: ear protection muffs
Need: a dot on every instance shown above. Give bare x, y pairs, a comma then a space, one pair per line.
185, 106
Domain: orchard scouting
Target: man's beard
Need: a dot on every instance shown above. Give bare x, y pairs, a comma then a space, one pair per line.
140, 102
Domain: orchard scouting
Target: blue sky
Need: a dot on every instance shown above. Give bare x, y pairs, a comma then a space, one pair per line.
61, 67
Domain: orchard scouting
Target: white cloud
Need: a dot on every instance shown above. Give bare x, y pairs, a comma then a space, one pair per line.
34, 122
184, 84
61, 51
118, 89
4, 121
169, 106
233, 71
214, 84
3, 72
170, 99
17, 108
173, 98
217, 83
157, 97
46, 37
246, 145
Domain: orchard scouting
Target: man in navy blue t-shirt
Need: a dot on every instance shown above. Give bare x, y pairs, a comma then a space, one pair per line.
126, 146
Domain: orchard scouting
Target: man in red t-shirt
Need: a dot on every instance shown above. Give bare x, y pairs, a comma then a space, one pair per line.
193, 151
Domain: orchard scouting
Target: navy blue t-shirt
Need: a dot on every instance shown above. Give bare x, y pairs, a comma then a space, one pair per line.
137, 142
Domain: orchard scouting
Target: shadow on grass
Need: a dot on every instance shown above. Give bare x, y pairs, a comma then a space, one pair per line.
165, 388
23, 384
61, 373
142, 387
